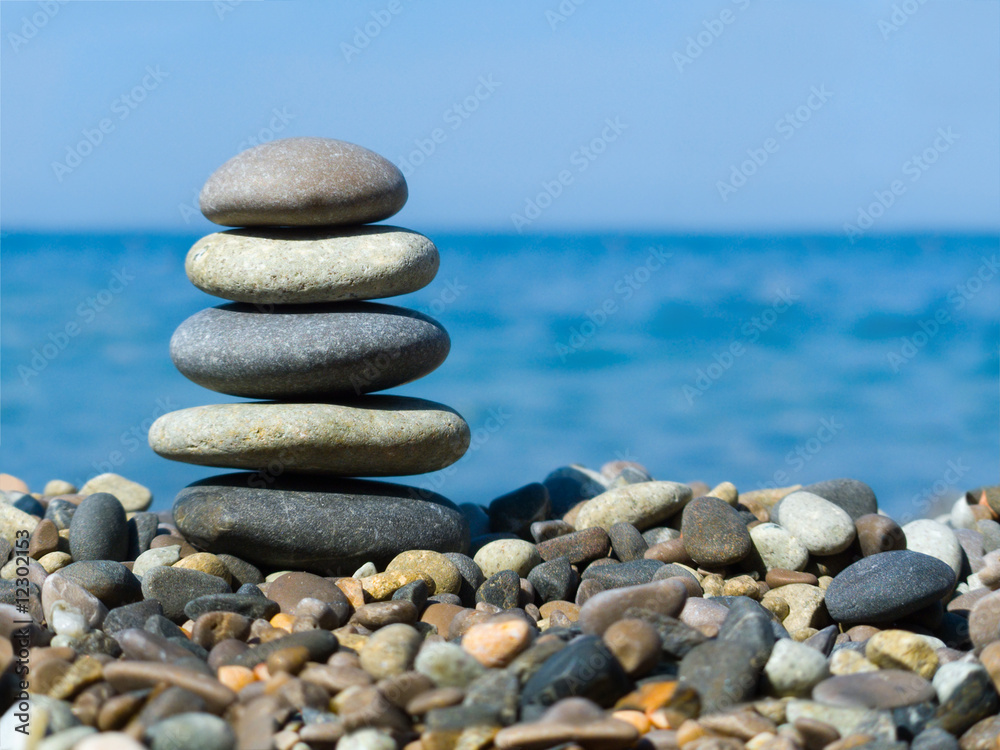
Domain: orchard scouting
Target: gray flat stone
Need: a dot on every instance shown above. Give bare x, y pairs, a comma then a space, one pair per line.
328, 527
326, 351
373, 436
303, 182
298, 266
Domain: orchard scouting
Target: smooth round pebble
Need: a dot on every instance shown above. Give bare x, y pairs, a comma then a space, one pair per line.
507, 554
822, 527
713, 533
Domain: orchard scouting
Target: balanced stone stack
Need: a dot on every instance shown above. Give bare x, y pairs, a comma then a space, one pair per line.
298, 336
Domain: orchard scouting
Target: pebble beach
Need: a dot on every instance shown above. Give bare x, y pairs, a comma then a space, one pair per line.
299, 603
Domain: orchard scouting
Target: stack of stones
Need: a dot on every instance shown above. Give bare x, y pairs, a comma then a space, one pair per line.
297, 336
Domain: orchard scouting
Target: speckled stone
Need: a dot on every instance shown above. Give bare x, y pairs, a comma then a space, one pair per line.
303, 182
721, 672
324, 526
794, 668
713, 533
934, 539
966, 695
643, 505
447, 579
823, 527
601, 610
502, 589
633, 573
99, 530
585, 668
303, 266
448, 665
322, 351
578, 547
175, 587
853, 496
374, 436
777, 548
247, 605
627, 542
390, 651
554, 580
887, 586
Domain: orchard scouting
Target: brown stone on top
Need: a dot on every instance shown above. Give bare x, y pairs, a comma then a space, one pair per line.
291, 588
44, 539
670, 551
379, 614
861, 633
877, 533
884, 689
777, 577
580, 546
303, 182
636, 644
136, 675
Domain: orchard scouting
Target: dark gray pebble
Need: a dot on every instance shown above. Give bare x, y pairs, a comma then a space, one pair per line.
132, 615
175, 587
554, 580
248, 605
584, 668
109, 581
516, 511
501, 589
99, 530
855, 497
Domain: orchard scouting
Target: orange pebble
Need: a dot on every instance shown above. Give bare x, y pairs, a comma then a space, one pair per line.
261, 672
662, 719
235, 678
351, 587
283, 621
635, 718
690, 731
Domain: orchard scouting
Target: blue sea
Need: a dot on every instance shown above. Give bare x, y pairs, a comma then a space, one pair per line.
759, 360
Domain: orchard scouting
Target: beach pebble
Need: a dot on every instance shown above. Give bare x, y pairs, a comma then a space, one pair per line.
722, 672
713, 533
390, 651
793, 669
446, 576
777, 547
108, 741
507, 554
191, 731
501, 590
665, 597
984, 620
568, 485
291, 588
887, 586
579, 547
43, 540
805, 606
642, 505
154, 558
966, 695
448, 665
853, 496
934, 738
330, 526
99, 530
626, 542
300, 266
13, 521
111, 582
821, 526
496, 642
636, 644
585, 668
373, 436
132, 495
900, 649
878, 533
175, 587
882, 689
934, 539
303, 182
58, 589
554, 580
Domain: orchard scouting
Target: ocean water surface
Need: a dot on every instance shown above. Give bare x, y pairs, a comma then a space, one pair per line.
759, 360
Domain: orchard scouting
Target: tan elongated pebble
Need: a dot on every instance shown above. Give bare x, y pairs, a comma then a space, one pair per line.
447, 579
643, 505
805, 605
135, 675
383, 585
495, 643
900, 649
387, 436
13, 520
132, 495
287, 266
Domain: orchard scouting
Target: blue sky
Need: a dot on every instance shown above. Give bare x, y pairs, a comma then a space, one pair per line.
713, 116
